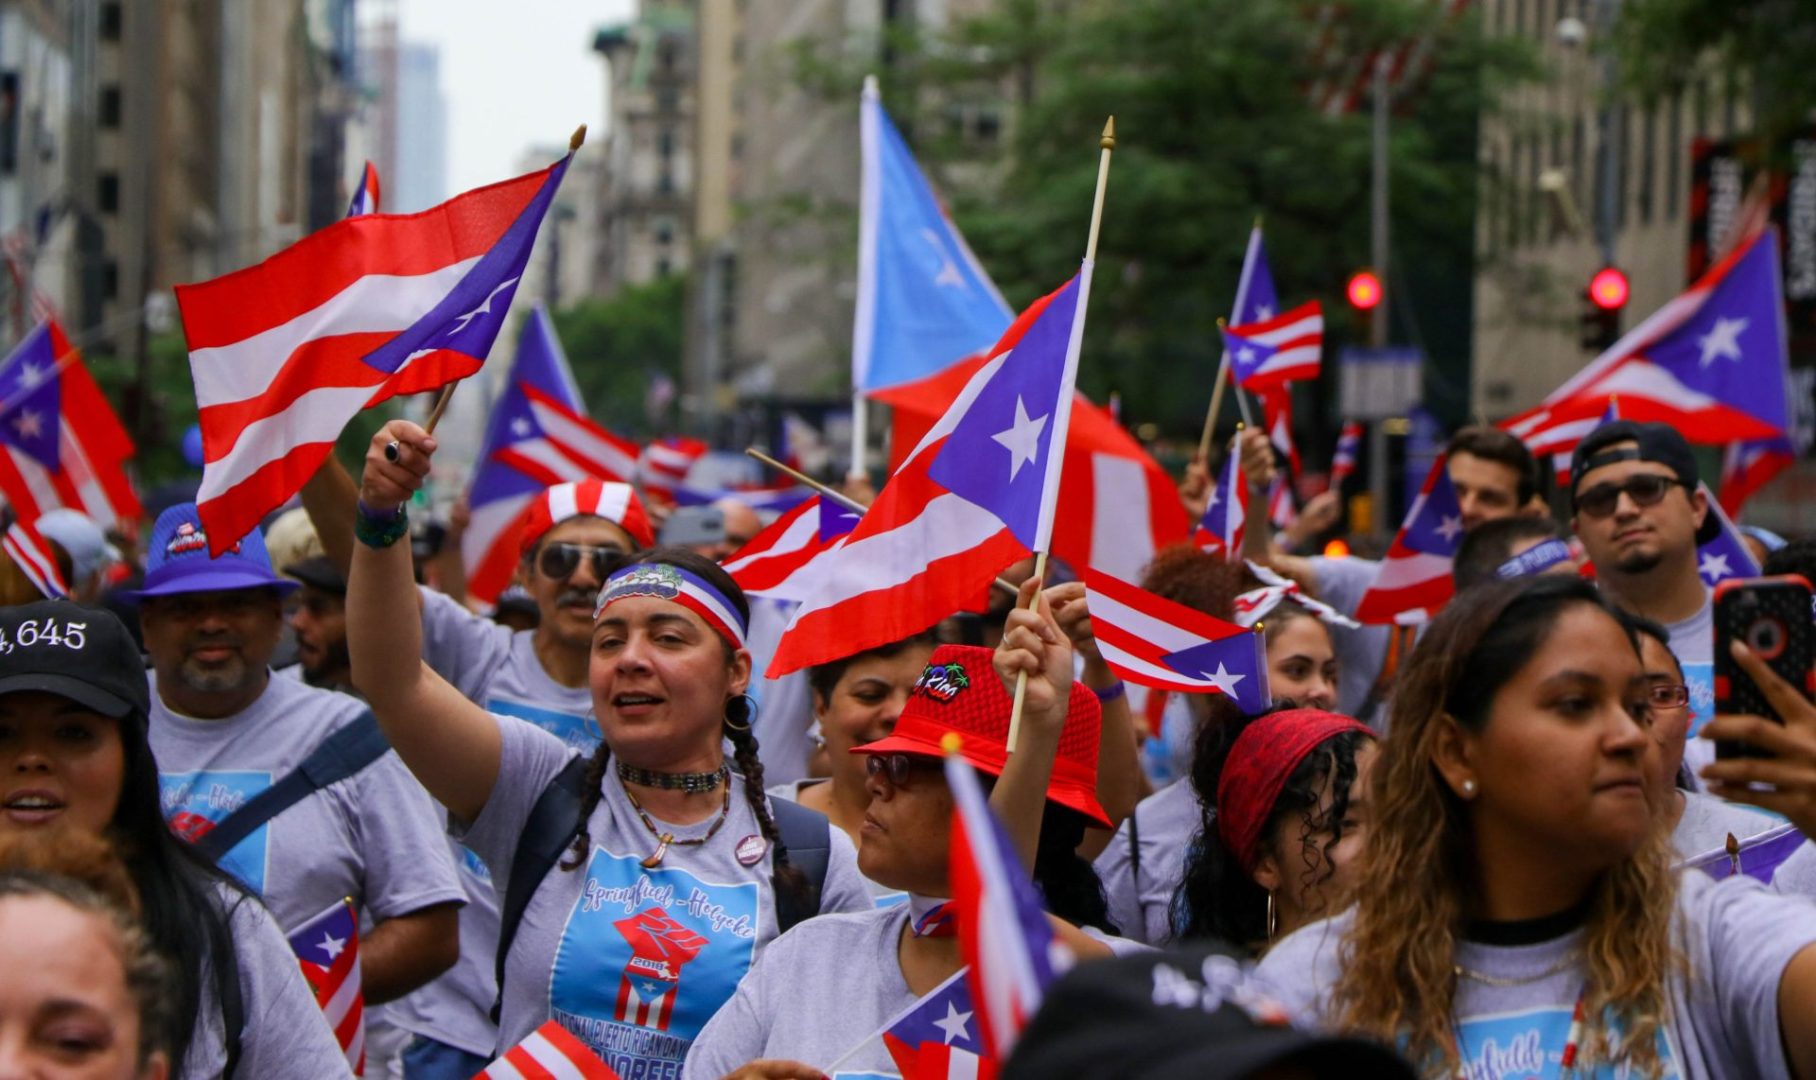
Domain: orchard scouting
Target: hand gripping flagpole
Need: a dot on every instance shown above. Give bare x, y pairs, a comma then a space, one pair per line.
1106, 144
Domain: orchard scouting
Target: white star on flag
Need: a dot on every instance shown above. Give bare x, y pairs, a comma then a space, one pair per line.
948, 272
29, 377
1714, 567
1022, 440
521, 428
1224, 679
484, 308
331, 945
955, 1024
1264, 312
1449, 527
1722, 342
28, 424
1246, 356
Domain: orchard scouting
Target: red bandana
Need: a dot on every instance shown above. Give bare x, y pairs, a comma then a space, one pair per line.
1258, 766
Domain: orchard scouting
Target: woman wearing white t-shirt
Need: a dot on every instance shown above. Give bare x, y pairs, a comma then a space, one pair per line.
677, 875
1518, 910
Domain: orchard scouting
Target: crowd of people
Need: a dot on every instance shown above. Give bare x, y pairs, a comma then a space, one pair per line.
1473, 848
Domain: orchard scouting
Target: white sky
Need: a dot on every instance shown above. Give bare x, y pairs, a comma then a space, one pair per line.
516, 73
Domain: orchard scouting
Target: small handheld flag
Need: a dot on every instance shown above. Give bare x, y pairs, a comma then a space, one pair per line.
327, 947
777, 561
1164, 645
32, 554
61, 445
1414, 580
365, 196
1724, 555
1343, 459
1221, 528
1285, 348
551, 1052
940, 1036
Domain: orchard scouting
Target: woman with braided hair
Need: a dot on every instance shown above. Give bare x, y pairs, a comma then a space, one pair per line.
677, 875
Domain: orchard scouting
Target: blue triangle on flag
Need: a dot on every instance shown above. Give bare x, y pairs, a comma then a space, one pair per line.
31, 399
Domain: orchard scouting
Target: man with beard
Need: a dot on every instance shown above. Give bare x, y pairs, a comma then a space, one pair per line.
319, 622
224, 730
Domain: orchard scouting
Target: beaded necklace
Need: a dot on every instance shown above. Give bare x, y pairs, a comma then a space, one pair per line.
665, 839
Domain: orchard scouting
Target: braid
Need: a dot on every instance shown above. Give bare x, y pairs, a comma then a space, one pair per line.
738, 717
592, 790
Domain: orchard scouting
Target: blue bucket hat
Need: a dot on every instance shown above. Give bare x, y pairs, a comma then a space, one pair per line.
177, 559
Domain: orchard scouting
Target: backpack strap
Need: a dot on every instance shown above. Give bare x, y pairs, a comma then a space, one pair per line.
233, 1002
808, 837
1135, 850
553, 821
341, 755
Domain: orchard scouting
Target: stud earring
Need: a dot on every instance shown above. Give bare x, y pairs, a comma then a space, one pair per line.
1273, 924
1469, 789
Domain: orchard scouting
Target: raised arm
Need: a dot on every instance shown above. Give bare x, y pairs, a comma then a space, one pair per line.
451, 744
1032, 643
329, 498
1119, 779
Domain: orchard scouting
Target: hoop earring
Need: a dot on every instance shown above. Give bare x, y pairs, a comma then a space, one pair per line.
750, 710
1273, 923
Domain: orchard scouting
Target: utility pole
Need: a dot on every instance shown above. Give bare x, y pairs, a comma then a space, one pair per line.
1378, 256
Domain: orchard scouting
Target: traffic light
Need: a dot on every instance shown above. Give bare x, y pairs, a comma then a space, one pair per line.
1364, 290
1603, 302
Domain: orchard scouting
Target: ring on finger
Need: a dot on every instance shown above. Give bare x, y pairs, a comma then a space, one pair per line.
391, 451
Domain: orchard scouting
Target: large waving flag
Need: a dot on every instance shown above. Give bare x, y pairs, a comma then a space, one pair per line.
1164, 645
663, 467
939, 1037
1414, 580
1285, 348
1225, 519
327, 947
1712, 362
1724, 554
550, 1053
538, 436
778, 561
977, 494
1750, 464
284, 353
924, 301
60, 442
365, 196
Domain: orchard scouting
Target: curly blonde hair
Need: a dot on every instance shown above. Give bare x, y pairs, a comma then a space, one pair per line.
1398, 980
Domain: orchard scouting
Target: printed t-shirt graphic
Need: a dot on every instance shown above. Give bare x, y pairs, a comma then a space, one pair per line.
1529, 1045
578, 730
195, 802
677, 946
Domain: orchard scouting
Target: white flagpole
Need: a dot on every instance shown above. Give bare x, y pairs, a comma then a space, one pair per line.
863, 324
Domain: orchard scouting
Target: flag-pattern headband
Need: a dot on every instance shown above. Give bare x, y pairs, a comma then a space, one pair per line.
666, 582
1254, 605
1535, 560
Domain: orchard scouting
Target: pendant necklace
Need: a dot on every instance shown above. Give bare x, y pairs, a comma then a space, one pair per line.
664, 840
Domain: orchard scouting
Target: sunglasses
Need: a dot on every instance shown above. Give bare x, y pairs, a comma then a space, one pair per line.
899, 766
1667, 695
1645, 489
559, 561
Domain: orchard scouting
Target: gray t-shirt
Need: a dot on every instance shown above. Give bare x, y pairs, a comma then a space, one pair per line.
1707, 821
374, 836
633, 961
824, 988
1723, 1020
1167, 820
1693, 643
784, 705
1361, 650
285, 1036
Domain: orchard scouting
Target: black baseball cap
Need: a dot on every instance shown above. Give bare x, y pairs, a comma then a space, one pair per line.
318, 571
1187, 1012
1655, 442
80, 653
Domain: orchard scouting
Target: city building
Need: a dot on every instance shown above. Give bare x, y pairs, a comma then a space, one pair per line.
646, 187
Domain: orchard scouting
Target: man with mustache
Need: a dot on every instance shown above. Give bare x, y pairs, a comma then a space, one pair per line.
224, 730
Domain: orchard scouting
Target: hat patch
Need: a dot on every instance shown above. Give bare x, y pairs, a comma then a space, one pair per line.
34, 633
942, 682
188, 540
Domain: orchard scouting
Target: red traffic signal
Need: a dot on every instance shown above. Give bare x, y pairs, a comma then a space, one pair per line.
1364, 290
1608, 288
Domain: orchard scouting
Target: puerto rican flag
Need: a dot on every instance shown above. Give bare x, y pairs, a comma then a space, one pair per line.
1414, 580
327, 947
1712, 363
646, 999
60, 442
663, 467
940, 1037
538, 436
1758, 857
1750, 464
978, 493
32, 554
1164, 645
365, 196
777, 562
550, 1053
1724, 555
1287, 347
1343, 459
1277, 414
1225, 518
284, 353
1002, 928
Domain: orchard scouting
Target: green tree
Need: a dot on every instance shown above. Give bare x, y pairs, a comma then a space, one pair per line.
1766, 46
618, 345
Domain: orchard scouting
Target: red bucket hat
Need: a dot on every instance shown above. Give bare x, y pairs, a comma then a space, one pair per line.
615, 502
960, 692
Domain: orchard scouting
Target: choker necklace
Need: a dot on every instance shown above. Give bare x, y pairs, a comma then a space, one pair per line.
665, 840
691, 782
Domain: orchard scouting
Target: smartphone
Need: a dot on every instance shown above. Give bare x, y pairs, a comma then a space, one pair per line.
1773, 617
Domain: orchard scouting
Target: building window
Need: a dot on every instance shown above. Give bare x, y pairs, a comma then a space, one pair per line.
110, 107
110, 279
107, 194
665, 231
665, 142
113, 20
667, 101
989, 125
665, 183
663, 267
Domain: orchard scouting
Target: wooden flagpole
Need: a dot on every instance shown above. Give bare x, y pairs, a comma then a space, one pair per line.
1106, 144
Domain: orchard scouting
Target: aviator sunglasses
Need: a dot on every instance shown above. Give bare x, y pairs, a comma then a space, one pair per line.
559, 561
1645, 489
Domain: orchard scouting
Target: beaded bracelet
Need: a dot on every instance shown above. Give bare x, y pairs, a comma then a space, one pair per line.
377, 529
1111, 693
